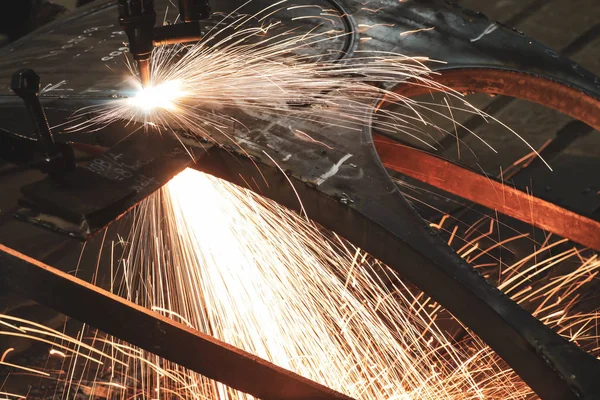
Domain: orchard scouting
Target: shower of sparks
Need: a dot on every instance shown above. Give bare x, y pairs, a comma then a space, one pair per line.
242, 268
197, 88
264, 279
250, 68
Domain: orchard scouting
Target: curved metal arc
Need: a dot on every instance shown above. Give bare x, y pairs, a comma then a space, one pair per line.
380, 221
543, 90
546, 90
465, 39
489, 193
554, 93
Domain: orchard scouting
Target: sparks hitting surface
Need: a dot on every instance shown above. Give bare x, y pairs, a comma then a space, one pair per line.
160, 97
242, 268
267, 70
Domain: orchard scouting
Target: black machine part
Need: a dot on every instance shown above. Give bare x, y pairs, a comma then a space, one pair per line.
138, 19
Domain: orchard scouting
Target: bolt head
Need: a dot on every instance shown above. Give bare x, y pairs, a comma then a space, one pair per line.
25, 82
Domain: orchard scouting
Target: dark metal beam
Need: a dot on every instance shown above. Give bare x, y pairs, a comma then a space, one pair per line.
152, 332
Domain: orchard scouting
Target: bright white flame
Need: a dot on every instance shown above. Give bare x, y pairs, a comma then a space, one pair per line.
162, 96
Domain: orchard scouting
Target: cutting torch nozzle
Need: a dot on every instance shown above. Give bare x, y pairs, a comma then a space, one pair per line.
144, 71
138, 17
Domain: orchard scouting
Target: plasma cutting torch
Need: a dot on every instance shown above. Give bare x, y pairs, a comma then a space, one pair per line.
138, 19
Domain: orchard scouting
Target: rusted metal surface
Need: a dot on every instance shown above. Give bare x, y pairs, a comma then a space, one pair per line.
487, 192
564, 98
153, 332
482, 190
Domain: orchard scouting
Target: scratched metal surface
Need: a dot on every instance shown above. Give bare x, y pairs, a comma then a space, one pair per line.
84, 52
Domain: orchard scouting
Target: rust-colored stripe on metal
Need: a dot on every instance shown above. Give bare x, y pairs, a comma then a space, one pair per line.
544, 91
175, 342
479, 189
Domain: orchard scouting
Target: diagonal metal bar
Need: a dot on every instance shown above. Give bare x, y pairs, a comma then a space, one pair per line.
150, 331
487, 192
